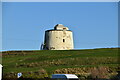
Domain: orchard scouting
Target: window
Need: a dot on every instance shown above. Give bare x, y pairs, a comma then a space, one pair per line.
64, 28
63, 40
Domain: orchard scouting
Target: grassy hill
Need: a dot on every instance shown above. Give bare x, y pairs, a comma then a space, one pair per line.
89, 63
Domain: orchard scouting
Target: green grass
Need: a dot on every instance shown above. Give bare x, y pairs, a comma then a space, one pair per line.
51, 60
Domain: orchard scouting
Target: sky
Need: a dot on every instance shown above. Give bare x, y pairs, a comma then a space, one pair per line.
60, 0
94, 24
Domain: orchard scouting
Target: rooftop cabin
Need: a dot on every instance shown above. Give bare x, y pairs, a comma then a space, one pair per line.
60, 27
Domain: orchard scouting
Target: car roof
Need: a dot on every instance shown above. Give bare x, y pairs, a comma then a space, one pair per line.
67, 75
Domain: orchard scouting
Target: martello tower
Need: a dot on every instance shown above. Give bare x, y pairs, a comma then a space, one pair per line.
60, 38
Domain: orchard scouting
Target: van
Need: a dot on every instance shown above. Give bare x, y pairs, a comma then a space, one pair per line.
64, 77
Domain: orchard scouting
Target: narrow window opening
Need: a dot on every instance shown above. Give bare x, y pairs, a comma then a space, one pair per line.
64, 28
63, 40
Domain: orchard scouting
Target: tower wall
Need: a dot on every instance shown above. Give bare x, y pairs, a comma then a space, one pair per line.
58, 40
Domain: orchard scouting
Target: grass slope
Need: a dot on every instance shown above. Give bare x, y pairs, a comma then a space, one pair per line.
43, 63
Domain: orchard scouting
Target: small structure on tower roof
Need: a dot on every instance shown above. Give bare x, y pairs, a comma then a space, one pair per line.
60, 27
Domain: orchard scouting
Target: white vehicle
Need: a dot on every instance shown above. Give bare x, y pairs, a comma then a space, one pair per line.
64, 77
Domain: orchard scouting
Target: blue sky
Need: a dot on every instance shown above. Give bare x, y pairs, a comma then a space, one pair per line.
94, 24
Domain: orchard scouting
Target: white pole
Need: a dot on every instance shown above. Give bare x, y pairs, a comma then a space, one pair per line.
0, 72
